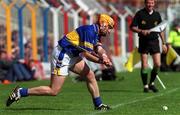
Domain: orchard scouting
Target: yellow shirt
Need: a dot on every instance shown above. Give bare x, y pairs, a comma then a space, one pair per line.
174, 38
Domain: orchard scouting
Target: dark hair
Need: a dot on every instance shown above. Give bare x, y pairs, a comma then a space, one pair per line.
146, 1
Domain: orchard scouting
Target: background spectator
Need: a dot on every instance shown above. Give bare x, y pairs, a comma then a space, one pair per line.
174, 36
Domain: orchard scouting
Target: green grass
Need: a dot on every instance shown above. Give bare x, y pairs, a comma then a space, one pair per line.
124, 95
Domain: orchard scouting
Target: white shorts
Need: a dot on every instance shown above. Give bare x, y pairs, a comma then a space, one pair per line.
61, 61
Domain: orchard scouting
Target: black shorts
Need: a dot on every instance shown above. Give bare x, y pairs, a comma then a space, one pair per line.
149, 46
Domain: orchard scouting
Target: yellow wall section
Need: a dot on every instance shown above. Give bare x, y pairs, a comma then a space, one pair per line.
8, 24
33, 10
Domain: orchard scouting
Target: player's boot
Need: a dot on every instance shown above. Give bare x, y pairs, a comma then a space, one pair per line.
146, 90
102, 107
153, 88
14, 96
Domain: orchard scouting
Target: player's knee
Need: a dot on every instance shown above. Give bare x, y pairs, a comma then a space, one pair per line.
91, 75
54, 92
157, 64
145, 65
85, 71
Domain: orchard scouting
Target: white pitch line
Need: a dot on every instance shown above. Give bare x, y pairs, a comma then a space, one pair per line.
137, 100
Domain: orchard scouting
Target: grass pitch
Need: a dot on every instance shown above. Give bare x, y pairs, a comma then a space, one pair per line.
124, 95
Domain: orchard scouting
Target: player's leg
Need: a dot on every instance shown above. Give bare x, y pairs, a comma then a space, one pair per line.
144, 71
157, 62
53, 89
58, 72
156, 56
83, 70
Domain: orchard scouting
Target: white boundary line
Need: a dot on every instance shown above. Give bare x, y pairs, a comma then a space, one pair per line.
137, 100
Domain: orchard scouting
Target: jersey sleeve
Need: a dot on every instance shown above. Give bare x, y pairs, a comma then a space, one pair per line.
135, 20
160, 19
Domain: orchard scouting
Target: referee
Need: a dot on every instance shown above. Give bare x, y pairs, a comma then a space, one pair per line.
143, 21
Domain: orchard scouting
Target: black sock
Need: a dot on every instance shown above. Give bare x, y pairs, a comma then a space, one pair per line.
154, 72
144, 75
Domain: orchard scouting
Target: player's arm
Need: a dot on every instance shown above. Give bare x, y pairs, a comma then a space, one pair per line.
134, 24
92, 57
162, 36
138, 30
102, 54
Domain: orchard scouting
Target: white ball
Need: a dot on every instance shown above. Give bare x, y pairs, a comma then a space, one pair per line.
165, 108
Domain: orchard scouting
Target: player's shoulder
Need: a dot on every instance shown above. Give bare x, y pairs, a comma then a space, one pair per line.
156, 12
141, 10
86, 28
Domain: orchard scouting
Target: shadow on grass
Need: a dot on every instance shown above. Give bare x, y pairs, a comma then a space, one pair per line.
122, 90
34, 109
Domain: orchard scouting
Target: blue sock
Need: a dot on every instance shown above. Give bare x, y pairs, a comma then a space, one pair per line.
97, 101
23, 92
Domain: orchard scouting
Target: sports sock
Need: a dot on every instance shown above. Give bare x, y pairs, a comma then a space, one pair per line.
154, 72
23, 92
97, 101
146, 86
144, 75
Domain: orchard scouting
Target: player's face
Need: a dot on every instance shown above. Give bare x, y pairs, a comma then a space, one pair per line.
104, 29
150, 5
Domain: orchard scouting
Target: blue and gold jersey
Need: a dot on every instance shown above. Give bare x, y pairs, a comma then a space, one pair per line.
85, 37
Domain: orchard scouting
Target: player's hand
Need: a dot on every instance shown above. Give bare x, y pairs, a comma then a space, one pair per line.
145, 32
108, 64
106, 60
164, 49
